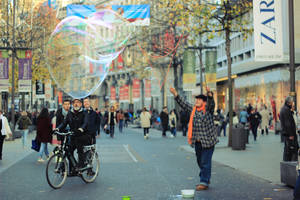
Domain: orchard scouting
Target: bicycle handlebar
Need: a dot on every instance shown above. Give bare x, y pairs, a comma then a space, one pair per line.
63, 134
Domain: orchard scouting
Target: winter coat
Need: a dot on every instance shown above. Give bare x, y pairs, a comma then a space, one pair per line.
76, 120
25, 121
203, 123
164, 117
145, 119
184, 117
172, 118
111, 119
243, 116
5, 128
265, 118
255, 119
59, 118
287, 121
44, 130
93, 124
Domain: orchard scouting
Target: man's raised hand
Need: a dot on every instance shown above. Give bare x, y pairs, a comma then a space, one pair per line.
173, 91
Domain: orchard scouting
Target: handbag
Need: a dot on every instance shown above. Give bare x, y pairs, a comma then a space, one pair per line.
106, 129
35, 145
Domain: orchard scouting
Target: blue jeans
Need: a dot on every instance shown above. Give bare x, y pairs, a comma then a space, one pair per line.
24, 138
173, 131
204, 157
43, 149
121, 126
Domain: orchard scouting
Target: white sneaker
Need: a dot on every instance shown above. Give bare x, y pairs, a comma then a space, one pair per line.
171, 136
147, 135
40, 160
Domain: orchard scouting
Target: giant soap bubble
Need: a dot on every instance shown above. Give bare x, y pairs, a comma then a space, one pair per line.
80, 50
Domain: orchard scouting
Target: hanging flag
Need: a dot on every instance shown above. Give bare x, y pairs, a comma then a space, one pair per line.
189, 75
21, 53
25, 74
4, 82
211, 69
28, 54
136, 86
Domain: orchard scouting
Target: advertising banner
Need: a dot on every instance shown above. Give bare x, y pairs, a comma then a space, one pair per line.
4, 77
136, 87
189, 75
138, 15
211, 69
112, 93
268, 27
25, 73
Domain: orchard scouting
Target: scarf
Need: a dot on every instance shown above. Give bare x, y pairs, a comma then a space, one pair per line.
190, 129
64, 112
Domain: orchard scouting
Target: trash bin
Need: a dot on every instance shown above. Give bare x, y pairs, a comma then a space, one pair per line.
238, 137
288, 173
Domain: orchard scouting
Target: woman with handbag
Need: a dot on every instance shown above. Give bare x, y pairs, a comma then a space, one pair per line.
44, 130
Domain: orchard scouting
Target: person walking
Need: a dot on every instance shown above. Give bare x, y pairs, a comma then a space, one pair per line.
164, 118
93, 124
202, 133
288, 126
173, 123
265, 118
111, 121
5, 131
184, 120
120, 120
23, 124
254, 119
244, 117
145, 122
44, 133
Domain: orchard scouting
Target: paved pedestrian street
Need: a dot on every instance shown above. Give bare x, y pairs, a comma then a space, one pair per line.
154, 169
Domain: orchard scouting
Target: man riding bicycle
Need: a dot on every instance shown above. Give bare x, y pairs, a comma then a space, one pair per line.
77, 121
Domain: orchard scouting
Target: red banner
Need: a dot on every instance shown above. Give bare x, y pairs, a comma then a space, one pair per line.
124, 93
60, 98
112, 93
136, 88
147, 88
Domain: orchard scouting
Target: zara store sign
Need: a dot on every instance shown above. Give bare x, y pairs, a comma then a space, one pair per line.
268, 37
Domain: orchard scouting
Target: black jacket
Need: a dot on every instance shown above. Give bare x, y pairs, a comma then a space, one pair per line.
59, 118
164, 117
93, 124
255, 119
184, 117
75, 120
287, 121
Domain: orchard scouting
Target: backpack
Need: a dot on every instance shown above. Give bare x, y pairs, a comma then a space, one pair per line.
20, 124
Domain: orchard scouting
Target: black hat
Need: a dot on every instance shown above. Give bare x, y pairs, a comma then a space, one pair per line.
201, 96
76, 99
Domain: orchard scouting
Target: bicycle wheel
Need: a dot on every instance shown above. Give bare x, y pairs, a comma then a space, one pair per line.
56, 171
91, 174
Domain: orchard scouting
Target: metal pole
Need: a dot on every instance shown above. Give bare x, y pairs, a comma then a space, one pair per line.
201, 70
13, 70
292, 51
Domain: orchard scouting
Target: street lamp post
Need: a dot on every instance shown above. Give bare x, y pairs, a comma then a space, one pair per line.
200, 48
13, 69
292, 52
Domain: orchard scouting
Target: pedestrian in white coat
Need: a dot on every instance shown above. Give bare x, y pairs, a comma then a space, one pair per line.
5, 131
145, 122
265, 118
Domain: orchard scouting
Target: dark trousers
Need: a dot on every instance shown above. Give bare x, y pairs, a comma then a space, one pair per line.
204, 158
263, 129
254, 131
164, 131
2, 137
297, 188
112, 130
290, 150
184, 129
146, 131
80, 142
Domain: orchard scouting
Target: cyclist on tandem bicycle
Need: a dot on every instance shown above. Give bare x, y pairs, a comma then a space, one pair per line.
88, 164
